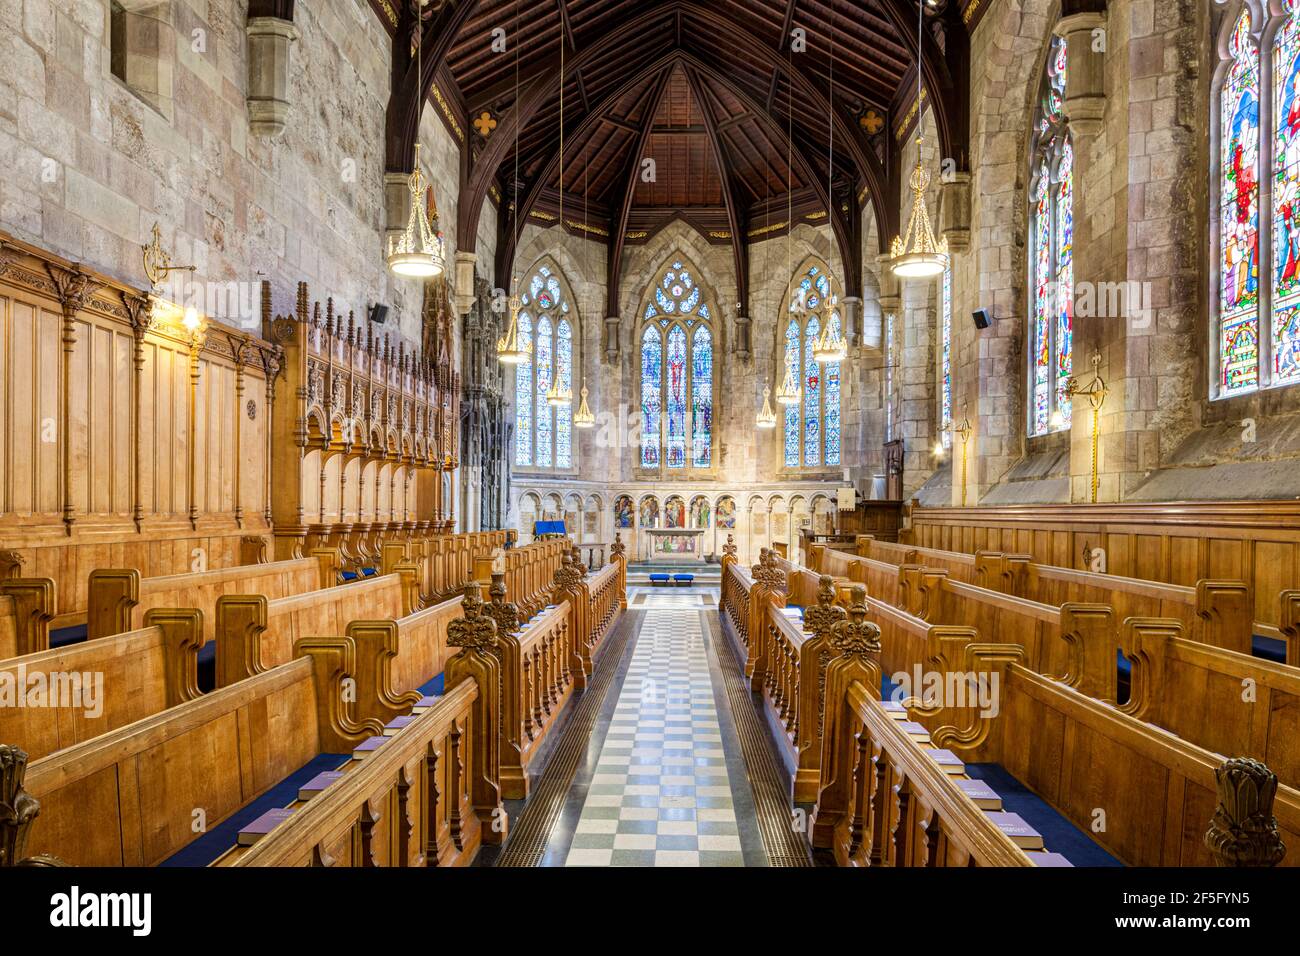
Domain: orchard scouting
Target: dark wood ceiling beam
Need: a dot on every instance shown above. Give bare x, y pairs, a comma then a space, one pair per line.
530, 100
506, 245
627, 185
945, 72
739, 248
410, 87
279, 9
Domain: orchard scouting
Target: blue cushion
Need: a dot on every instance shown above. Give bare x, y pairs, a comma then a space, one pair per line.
683, 577
659, 579
63, 636
225, 835
433, 688
349, 575
369, 572
1269, 648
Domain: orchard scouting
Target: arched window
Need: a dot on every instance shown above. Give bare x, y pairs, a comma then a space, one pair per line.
812, 427
544, 432
1051, 270
677, 370
1257, 100
945, 359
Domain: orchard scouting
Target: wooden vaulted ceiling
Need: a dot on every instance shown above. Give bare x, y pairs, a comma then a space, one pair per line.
742, 129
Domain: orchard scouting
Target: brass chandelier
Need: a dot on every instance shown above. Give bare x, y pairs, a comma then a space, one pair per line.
417, 252
916, 254
766, 418
790, 392
511, 349
583, 417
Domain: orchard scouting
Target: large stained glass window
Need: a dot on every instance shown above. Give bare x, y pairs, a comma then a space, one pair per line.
1257, 340
677, 375
812, 427
544, 432
1051, 323
945, 359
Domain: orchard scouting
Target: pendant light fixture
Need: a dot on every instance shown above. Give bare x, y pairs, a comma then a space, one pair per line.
417, 252
830, 347
916, 254
558, 396
766, 418
511, 350
790, 393
583, 417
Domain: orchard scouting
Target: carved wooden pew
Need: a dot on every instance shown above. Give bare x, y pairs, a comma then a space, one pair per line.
1076, 643
27, 606
428, 797
882, 801
411, 804
1217, 613
401, 655
255, 634
93, 687
1082, 756
129, 797
1220, 700
120, 597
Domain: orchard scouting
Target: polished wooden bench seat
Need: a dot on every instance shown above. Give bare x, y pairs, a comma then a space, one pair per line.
97, 686
410, 804
136, 795
254, 633
119, 597
1155, 789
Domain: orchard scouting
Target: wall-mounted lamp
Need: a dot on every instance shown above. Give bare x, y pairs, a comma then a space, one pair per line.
158, 261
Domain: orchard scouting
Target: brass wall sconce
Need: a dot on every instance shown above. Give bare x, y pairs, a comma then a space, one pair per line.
962, 430
1096, 392
158, 261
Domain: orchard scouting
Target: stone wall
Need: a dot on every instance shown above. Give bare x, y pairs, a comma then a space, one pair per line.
91, 165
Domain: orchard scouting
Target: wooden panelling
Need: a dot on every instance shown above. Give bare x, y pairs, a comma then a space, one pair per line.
100, 465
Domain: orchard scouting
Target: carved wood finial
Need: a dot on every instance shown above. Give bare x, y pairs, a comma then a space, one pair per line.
505, 613
567, 576
18, 809
822, 618
474, 631
856, 636
730, 547
11, 564
618, 549
1243, 831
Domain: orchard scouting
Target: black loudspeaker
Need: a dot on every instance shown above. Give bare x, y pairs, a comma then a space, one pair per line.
982, 318
378, 313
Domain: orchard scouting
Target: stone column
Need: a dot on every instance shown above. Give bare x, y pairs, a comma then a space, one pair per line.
464, 284
955, 205
851, 313
611, 337
269, 45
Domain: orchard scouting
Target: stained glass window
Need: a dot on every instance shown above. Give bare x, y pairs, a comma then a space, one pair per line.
1253, 352
543, 432
652, 359
524, 396
677, 372
1286, 201
812, 427
545, 370
945, 360
1051, 330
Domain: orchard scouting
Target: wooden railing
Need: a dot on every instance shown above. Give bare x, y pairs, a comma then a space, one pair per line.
424, 776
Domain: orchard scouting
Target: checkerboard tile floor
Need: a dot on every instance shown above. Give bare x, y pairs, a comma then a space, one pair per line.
660, 794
